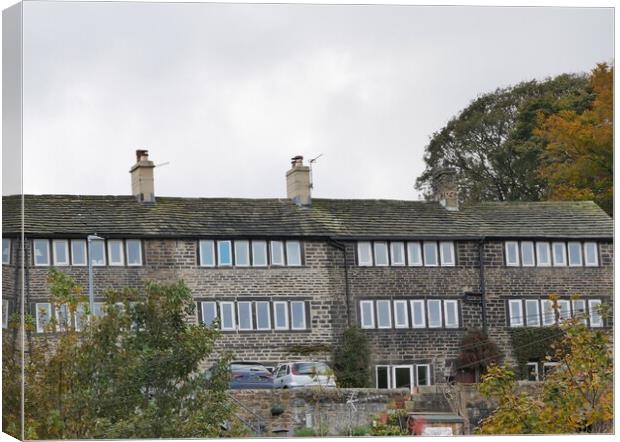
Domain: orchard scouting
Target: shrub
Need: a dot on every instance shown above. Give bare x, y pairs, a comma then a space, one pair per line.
352, 360
478, 352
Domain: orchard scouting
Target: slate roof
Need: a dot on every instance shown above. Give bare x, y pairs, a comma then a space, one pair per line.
123, 216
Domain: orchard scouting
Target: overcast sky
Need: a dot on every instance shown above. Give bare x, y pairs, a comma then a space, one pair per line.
228, 93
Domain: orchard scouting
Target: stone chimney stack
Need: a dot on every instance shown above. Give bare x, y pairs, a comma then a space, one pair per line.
142, 181
298, 182
445, 189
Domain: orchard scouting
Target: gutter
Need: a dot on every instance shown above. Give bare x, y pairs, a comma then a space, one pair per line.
342, 247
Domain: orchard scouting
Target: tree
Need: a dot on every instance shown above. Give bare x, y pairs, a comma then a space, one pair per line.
133, 373
492, 145
478, 352
352, 360
576, 396
578, 159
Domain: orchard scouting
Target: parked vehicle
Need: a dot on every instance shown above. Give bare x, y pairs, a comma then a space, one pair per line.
247, 375
303, 374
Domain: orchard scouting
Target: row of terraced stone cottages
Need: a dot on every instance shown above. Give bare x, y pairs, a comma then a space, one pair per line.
296, 271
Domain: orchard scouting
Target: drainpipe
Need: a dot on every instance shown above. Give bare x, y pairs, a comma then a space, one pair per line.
341, 246
482, 287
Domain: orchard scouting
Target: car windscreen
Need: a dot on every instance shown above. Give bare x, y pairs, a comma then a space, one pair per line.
310, 368
247, 367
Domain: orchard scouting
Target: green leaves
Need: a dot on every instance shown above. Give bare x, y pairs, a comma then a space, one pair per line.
352, 360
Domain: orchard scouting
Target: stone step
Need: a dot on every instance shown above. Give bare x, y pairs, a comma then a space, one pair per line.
428, 402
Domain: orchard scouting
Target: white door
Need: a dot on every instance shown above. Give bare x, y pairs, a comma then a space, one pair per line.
402, 376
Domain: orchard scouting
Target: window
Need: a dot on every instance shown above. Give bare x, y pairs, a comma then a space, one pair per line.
78, 252
579, 310
548, 367
400, 314
5, 313
532, 371
574, 254
383, 376
527, 254
384, 314
364, 253
402, 376
434, 313
81, 318
244, 310
60, 248
548, 314
115, 252
277, 253
559, 254
591, 254
224, 253
6, 251
446, 250
41, 252
543, 254
564, 309
259, 253
293, 253
430, 253
242, 253
418, 317
596, 320
99, 309
414, 254
397, 253
298, 315
209, 312
515, 308
97, 252
280, 312
512, 253
367, 314
263, 315
44, 315
207, 253
423, 374
451, 312
134, 252
227, 312
532, 313
381, 254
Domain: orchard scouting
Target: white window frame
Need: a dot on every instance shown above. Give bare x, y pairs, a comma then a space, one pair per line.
410, 261
240, 243
455, 303
264, 255
389, 310
132, 241
389, 375
539, 247
79, 316
535, 365
411, 377
211, 304
566, 303
372, 314
570, 263
422, 307
428, 374
401, 246
298, 254
55, 244
585, 254
303, 310
529, 244
5, 314
275, 315
382, 244
9, 244
405, 309
98, 306
444, 261
428, 308
515, 320
564, 255
258, 327
38, 306
507, 246
434, 245
584, 310
249, 305
272, 247
201, 252
219, 255
103, 249
364, 259
121, 251
221, 316
82, 243
529, 321
543, 304
34, 248
592, 309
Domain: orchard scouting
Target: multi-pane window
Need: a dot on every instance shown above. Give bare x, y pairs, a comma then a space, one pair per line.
557, 254
381, 254
298, 315
430, 254
591, 254
78, 252
543, 254
400, 314
434, 313
411, 253
263, 315
277, 253
536, 309
259, 253
574, 254
446, 251
384, 314
115, 252
6, 251
527, 254
97, 252
60, 251
242, 253
224, 253
134, 252
256, 253
43, 315
41, 249
402, 376
397, 253
293, 253
414, 254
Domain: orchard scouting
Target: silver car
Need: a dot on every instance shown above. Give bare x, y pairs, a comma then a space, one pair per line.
303, 374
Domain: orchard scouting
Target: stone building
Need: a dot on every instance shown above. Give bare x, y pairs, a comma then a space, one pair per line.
287, 276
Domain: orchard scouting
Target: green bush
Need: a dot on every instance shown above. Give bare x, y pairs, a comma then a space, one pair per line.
304, 432
352, 360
